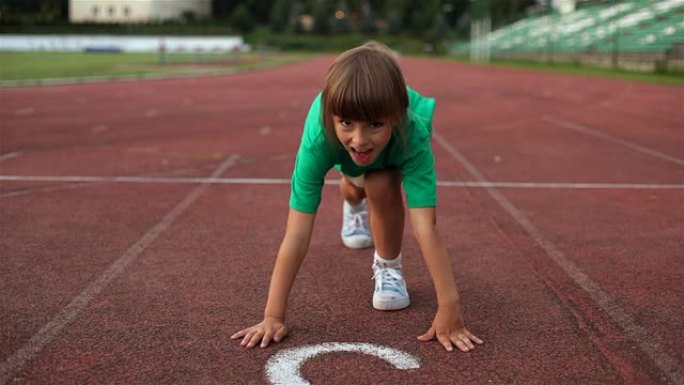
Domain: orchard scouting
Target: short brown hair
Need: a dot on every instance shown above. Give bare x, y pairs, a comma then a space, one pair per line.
365, 84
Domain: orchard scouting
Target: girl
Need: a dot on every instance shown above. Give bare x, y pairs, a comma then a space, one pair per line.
376, 131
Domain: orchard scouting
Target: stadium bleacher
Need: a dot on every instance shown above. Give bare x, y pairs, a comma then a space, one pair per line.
637, 29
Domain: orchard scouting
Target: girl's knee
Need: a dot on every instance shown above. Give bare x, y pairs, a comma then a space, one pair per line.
385, 185
351, 192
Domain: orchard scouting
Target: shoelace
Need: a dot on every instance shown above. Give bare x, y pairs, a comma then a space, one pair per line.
389, 278
356, 222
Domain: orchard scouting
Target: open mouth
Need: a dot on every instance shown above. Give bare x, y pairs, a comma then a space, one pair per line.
361, 156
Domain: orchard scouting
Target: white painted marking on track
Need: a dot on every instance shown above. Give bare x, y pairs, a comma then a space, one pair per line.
151, 113
45, 189
283, 368
14, 363
615, 140
668, 364
276, 181
69, 185
98, 129
562, 186
265, 130
10, 155
25, 112
142, 179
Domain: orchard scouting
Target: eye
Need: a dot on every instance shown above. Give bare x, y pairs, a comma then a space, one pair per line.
377, 125
345, 123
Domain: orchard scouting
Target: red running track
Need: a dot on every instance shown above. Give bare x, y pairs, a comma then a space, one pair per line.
567, 241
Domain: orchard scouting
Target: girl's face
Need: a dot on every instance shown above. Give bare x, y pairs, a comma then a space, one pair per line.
363, 140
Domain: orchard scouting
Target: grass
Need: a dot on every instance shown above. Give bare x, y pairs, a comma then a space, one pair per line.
22, 66
18, 66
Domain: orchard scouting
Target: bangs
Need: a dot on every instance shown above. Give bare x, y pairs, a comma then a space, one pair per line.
367, 100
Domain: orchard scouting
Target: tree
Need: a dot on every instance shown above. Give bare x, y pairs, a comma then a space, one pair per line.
367, 20
342, 21
296, 11
261, 10
423, 14
502, 12
222, 8
441, 28
37, 9
22, 7
322, 13
394, 11
454, 10
242, 19
280, 15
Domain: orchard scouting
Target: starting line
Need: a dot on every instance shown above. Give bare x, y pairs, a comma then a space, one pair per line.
283, 181
283, 368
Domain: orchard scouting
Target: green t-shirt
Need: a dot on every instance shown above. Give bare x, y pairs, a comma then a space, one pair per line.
316, 156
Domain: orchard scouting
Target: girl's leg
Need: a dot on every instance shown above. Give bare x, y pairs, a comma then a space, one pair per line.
351, 193
383, 193
355, 233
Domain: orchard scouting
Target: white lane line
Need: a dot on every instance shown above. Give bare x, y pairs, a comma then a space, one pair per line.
25, 111
68, 185
9, 155
14, 363
612, 139
271, 181
669, 365
563, 186
142, 179
98, 129
283, 368
45, 189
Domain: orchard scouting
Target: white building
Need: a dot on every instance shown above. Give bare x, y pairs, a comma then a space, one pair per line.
118, 11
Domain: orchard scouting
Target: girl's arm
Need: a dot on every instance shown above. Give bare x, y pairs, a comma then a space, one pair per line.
290, 256
448, 326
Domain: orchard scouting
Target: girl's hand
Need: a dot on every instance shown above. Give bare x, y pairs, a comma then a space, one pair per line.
449, 329
270, 329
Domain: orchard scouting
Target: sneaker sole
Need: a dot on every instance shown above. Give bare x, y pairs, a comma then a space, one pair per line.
357, 242
389, 305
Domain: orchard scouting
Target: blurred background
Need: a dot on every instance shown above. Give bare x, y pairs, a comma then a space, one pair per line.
172, 36
562, 197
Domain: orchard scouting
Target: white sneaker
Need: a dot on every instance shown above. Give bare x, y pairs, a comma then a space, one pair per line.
355, 230
390, 288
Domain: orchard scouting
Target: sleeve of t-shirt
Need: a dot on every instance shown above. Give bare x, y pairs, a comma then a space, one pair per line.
311, 164
418, 170
420, 178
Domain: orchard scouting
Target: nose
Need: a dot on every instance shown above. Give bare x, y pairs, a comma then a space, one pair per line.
359, 140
